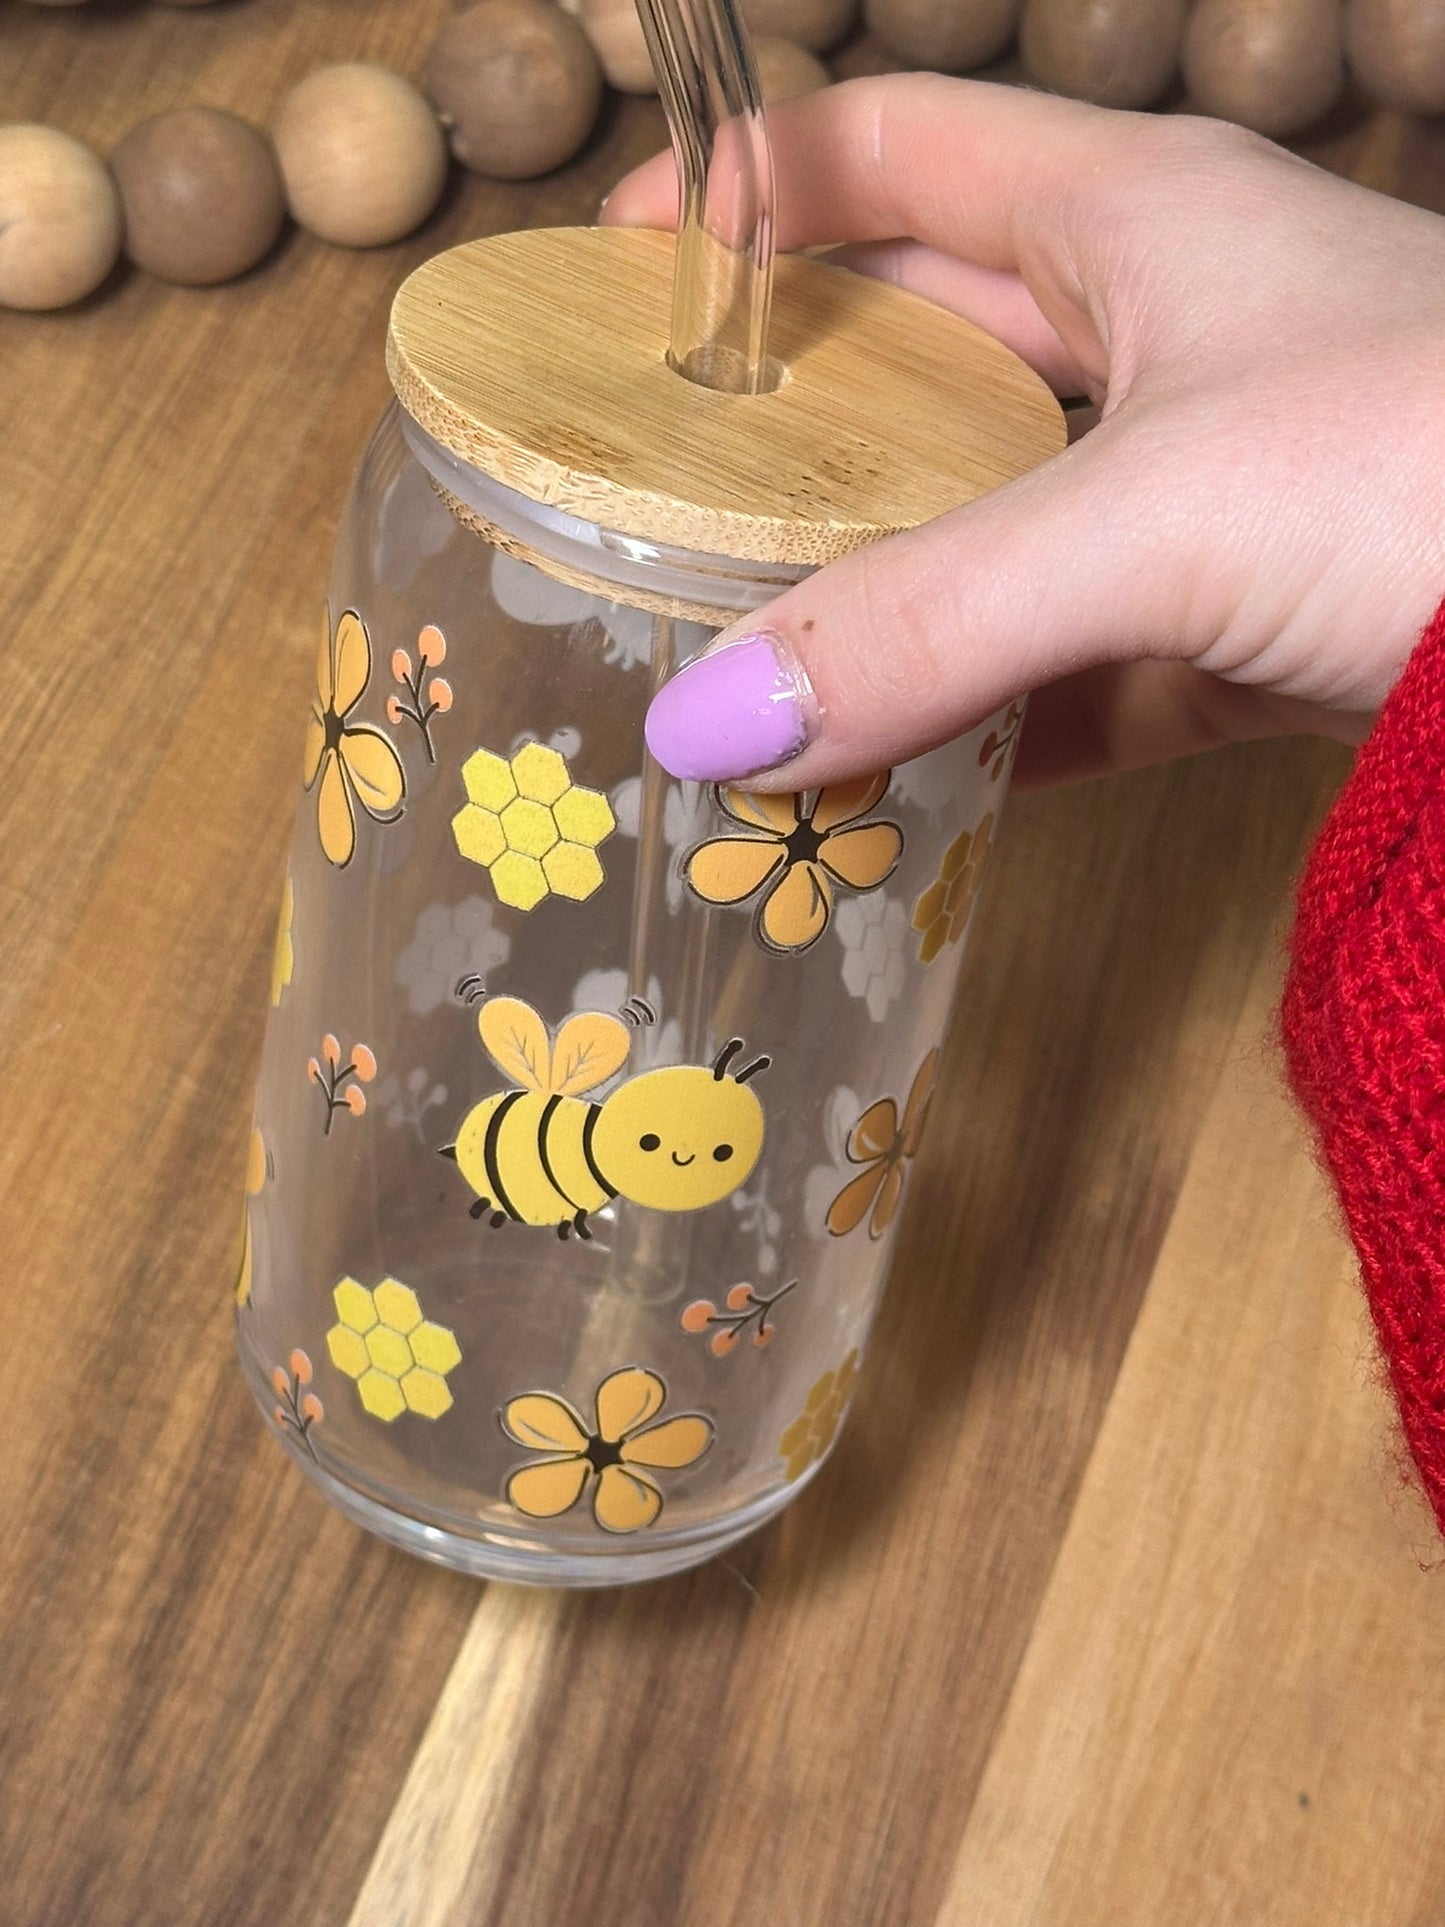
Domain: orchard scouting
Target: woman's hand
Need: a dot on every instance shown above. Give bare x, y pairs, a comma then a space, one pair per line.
1249, 542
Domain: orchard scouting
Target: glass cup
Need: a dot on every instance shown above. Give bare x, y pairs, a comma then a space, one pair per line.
589, 1098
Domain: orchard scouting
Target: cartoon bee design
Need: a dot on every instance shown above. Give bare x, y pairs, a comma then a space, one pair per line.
677, 1138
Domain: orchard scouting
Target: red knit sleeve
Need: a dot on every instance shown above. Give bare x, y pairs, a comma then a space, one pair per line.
1364, 1033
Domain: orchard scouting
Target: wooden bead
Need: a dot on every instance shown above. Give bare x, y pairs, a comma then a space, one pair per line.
361, 155
1397, 51
1117, 53
617, 39
201, 193
1273, 65
815, 24
59, 218
948, 38
786, 70
517, 86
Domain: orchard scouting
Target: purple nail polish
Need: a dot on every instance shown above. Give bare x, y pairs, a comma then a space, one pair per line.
737, 710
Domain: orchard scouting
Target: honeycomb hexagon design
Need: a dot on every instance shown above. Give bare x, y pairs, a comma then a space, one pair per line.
531, 828
399, 1359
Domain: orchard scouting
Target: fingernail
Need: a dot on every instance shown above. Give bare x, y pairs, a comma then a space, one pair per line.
734, 712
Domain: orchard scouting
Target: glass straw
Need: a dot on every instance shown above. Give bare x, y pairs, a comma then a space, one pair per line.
722, 283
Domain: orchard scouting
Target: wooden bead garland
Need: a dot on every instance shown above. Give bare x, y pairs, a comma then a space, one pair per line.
358, 157
361, 161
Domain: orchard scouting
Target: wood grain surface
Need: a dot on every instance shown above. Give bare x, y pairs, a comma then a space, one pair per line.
1110, 1606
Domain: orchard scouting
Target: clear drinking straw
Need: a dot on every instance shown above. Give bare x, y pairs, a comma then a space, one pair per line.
722, 283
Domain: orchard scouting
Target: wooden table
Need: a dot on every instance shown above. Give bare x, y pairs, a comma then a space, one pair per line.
1110, 1607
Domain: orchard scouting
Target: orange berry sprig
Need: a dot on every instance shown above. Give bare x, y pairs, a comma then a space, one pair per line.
418, 705
297, 1409
740, 1308
336, 1080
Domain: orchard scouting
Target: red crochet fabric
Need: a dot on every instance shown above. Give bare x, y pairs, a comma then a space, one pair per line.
1364, 1032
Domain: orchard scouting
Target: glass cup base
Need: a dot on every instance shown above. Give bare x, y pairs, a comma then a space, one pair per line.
527, 1563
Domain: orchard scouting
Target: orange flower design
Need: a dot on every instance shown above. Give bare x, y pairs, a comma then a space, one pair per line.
609, 1456
797, 854
942, 912
283, 960
356, 764
257, 1171
885, 1147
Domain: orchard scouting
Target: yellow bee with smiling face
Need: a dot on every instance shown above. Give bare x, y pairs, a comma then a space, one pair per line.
677, 1138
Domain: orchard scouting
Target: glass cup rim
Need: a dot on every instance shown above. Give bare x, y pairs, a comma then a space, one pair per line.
577, 547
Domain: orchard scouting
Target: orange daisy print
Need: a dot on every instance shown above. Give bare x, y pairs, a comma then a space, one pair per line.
885, 1147
614, 1456
795, 851
257, 1171
356, 764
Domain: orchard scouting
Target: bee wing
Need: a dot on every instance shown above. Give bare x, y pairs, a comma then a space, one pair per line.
589, 1048
516, 1041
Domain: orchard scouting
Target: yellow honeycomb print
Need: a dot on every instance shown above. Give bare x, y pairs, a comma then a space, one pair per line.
399, 1359
533, 830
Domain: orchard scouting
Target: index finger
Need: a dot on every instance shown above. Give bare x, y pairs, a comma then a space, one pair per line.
978, 170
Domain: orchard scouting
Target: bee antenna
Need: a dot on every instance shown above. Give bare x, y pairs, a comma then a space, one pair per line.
725, 1056
751, 1070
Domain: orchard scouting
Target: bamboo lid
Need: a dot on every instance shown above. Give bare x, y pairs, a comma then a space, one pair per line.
540, 358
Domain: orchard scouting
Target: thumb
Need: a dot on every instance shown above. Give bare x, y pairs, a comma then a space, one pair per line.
912, 640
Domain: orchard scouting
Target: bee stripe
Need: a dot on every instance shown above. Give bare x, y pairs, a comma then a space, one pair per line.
542, 1128
593, 1112
489, 1153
